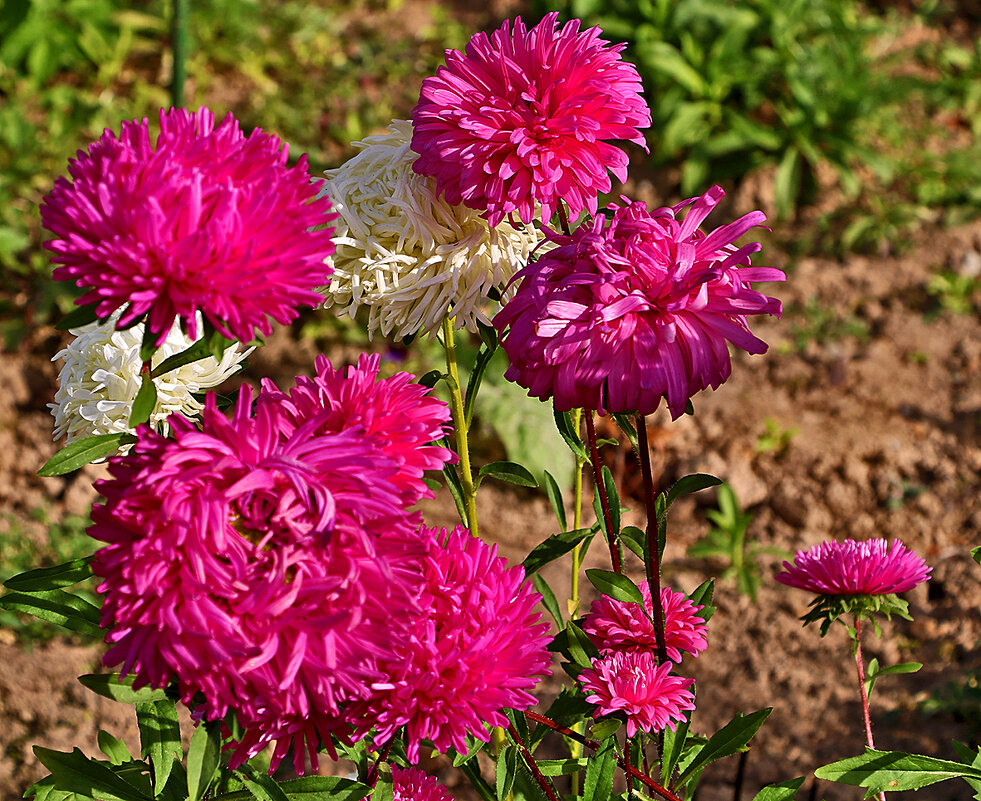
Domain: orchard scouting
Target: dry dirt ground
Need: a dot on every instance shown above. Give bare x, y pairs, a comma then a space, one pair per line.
880, 402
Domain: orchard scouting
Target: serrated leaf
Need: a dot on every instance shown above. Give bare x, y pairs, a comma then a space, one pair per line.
78, 317
785, 791
160, 738
144, 402
691, 483
76, 772
598, 783
51, 578
615, 585
202, 758
551, 549
83, 452
507, 767
730, 739
510, 472
555, 498
112, 686
894, 771
115, 749
56, 606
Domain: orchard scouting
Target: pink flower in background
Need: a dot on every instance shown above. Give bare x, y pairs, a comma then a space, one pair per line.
397, 414
617, 626
477, 647
632, 683
204, 218
524, 118
413, 784
872, 567
267, 572
627, 311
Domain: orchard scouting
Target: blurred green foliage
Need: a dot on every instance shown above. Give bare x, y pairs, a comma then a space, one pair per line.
824, 92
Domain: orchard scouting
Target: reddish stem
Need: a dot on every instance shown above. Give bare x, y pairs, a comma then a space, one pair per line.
601, 488
564, 219
861, 688
532, 765
653, 562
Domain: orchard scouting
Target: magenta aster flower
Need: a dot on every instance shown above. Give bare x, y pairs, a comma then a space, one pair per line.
477, 647
397, 414
627, 311
632, 683
872, 567
414, 784
204, 218
524, 118
266, 572
617, 626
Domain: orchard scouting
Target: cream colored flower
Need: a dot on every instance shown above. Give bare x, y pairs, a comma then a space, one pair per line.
101, 376
407, 254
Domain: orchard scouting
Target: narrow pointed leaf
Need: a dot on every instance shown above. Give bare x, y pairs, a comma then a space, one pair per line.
730, 739
110, 685
310, 788
564, 424
548, 598
95, 779
194, 353
77, 317
551, 549
598, 784
202, 758
144, 402
510, 472
507, 767
555, 498
615, 585
160, 738
691, 483
785, 791
83, 452
674, 745
56, 606
894, 771
51, 578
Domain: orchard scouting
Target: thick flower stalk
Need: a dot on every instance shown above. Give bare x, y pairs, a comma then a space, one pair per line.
101, 376
628, 310
615, 626
632, 684
203, 219
524, 119
849, 567
397, 414
477, 647
266, 571
407, 255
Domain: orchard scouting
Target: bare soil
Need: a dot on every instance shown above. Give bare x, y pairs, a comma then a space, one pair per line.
880, 400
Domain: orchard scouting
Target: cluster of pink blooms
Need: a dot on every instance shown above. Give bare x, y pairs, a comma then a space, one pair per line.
626, 678
269, 562
204, 219
413, 784
628, 310
524, 118
849, 567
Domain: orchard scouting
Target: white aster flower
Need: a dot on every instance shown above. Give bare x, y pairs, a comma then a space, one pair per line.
101, 376
407, 254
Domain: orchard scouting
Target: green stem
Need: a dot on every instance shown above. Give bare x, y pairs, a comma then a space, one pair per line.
460, 424
178, 43
575, 747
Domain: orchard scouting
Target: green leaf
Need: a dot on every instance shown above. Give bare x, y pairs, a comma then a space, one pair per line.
785, 791
217, 344
976, 554
614, 498
194, 353
51, 578
93, 778
456, 489
202, 758
627, 427
548, 598
894, 771
260, 786
115, 749
702, 596
56, 606
563, 422
476, 377
634, 539
730, 739
555, 498
83, 452
875, 671
615, 585
144, 402
431, 378
111, 685
663, 57
604, 729
691, 483
507, 767
160, 738
598, 784
561, 767
787, 182
476, 746
674, 746
77, 317
149, 345
581, 649
510, 472
551, 549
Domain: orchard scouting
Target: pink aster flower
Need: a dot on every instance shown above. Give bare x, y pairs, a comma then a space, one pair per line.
477, 647
397, 414
872, 567
628, 310
414, 784
204, 218
632, 683
265, 572
617, 626
525, 118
